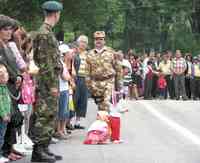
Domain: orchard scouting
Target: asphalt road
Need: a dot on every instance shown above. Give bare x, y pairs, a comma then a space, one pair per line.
153, 132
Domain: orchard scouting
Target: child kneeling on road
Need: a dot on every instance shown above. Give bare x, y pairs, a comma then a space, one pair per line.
99, 131
106, 127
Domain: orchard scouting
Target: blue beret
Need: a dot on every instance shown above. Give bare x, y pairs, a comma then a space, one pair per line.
52, 6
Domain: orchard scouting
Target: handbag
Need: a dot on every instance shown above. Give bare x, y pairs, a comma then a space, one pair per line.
71, 102
16, 119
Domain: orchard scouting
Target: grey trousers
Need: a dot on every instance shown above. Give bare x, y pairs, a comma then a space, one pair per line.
179, 84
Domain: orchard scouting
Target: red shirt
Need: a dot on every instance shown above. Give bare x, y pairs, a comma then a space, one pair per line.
149, 74
162, 83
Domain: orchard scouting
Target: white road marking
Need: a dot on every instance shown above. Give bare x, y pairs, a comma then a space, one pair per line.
174, 125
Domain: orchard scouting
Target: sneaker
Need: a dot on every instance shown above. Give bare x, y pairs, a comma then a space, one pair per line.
63, 137
4, 160
118, 141
60, 136
68, 132
69, 127
79, 127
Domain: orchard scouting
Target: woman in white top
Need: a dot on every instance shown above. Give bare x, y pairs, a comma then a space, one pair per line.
63, 111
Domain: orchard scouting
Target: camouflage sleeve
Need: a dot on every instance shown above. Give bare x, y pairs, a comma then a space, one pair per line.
87, 66
119, 73
88, 70
54, 52
48, 59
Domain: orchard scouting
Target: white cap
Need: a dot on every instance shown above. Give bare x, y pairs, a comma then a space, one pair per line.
64, 48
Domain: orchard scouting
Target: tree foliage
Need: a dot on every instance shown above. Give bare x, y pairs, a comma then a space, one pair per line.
139, 24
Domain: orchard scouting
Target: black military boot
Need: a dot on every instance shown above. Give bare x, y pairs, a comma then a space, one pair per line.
38, 155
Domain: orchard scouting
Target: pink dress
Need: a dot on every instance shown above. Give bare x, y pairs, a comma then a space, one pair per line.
98, 133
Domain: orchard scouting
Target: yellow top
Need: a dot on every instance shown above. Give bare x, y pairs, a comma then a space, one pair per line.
83, 69
196, 70
165, 67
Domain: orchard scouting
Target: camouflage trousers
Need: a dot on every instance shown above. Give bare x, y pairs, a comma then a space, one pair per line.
42, 120
101, 91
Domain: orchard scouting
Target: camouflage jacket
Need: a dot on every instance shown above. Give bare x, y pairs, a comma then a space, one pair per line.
47, 56
103, 65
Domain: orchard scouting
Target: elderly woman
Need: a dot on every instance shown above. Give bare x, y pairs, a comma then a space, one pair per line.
8, 59
81, 92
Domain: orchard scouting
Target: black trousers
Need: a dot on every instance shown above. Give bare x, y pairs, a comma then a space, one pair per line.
9, 140
148, 88
170, 87
197, 87
154, 90
188, 87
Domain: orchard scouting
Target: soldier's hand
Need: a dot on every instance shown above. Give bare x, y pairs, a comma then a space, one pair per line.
54, 92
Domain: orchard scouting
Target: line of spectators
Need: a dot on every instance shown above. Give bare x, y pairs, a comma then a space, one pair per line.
152, 76
18, 89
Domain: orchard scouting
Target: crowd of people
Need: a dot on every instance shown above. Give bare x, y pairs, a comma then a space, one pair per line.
162, 76
45, 84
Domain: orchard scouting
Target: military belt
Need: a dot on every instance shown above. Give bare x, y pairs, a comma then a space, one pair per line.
101, 78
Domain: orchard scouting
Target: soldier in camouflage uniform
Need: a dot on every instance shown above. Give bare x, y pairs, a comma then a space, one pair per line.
47, 57
104, 71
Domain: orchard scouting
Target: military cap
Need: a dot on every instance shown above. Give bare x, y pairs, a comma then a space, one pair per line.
99, 34
52, 6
